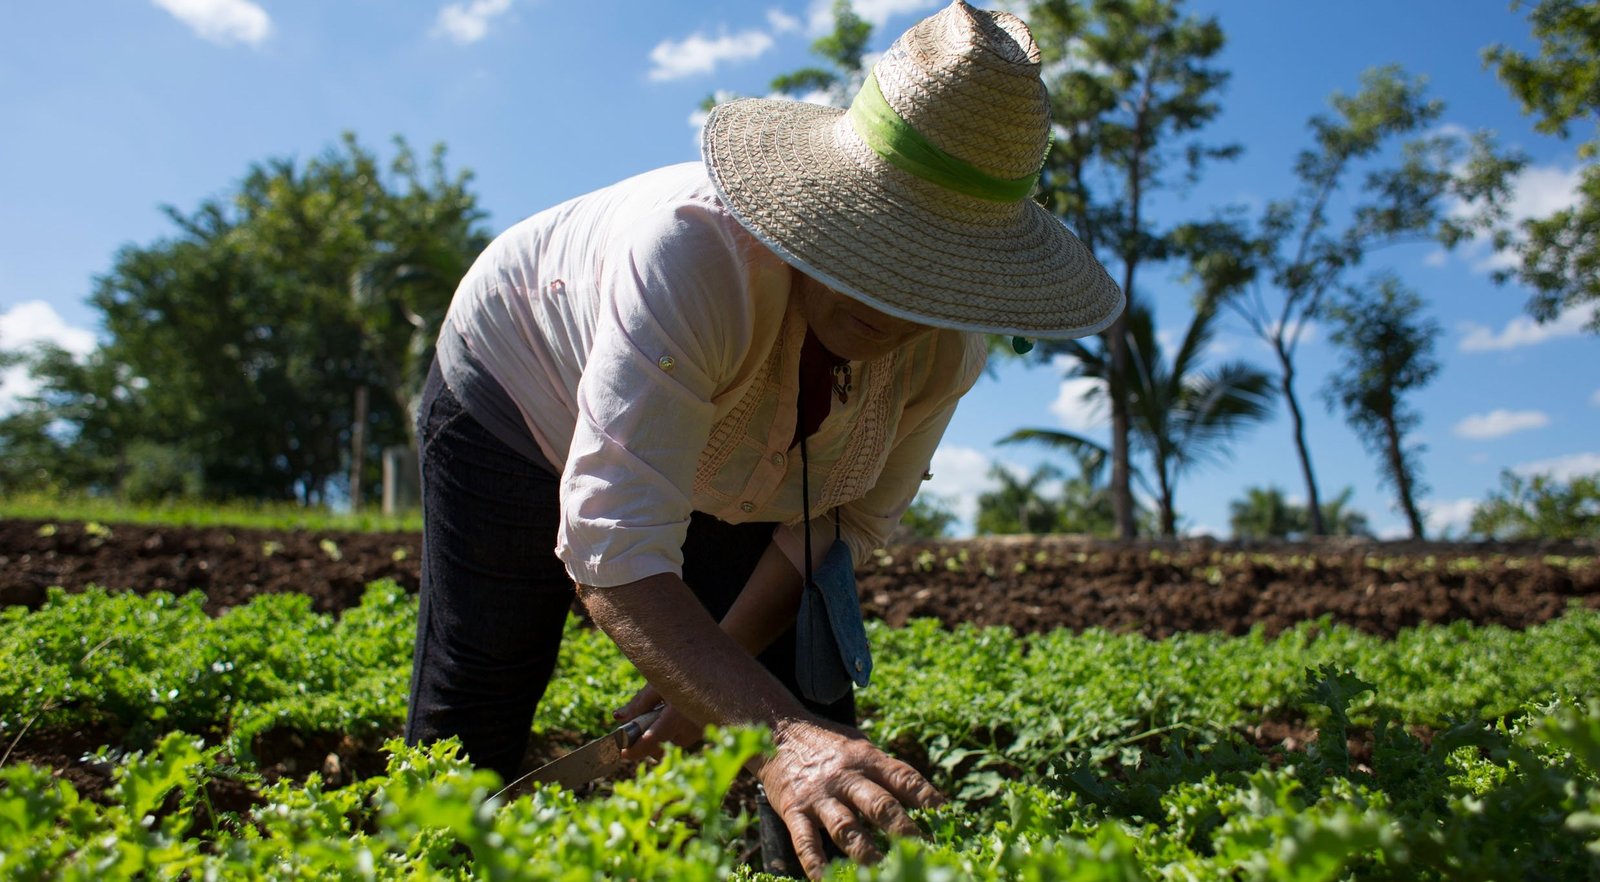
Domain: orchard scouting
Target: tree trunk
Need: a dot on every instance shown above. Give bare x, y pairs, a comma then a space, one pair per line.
1121, 474
358, 447
1402, 478
1298, 423
1169, 517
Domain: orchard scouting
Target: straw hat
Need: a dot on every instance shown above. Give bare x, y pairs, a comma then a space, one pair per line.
916, 200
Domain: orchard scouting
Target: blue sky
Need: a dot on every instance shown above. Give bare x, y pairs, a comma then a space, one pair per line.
115, 109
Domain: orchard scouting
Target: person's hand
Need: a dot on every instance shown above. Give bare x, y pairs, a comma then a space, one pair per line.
828, 780
671, 726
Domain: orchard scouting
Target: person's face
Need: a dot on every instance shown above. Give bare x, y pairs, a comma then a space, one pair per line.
849, 328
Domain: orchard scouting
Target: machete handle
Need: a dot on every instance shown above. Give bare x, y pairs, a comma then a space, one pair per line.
630, 732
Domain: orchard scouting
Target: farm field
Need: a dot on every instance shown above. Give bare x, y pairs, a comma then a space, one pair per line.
1094, 712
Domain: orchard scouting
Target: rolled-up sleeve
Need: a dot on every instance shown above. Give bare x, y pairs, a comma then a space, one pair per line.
673, 320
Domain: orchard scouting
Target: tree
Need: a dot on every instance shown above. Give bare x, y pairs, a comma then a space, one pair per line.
843, 48
1540, 507
929, 517
1560, 253
71, 433
1277, 277
1342, 520
1266, 514
1018, 505
1263, 513
1130, 81
1388, 352
241, 339
1181, 414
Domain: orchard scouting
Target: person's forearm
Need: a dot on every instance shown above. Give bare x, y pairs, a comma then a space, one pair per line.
766, 607
694, 664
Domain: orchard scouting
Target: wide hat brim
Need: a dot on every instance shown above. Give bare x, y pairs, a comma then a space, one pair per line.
800, 179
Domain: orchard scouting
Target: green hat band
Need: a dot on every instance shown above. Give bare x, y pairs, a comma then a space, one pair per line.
905, 148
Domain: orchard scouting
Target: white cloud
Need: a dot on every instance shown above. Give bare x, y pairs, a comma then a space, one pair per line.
1436, 258
1498, 423
1595, 398
700, 54
819, 18
875, 12
781, 22
1524, 331
1393, 530
1539, 191
37, 322
1543, 190
1562, 468
1309, 332
25, 325
880, 11
468, 22
959, 475
1076, 414
1449, 518
222, 21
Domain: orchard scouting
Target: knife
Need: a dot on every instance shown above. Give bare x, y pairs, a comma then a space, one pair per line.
590, 762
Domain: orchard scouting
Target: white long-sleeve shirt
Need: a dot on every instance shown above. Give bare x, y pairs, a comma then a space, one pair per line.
652, 347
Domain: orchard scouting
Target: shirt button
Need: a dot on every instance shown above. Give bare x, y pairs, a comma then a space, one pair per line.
777, 460
666, 362
747, 507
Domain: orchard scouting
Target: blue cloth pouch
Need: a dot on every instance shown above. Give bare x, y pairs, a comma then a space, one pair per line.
831, 650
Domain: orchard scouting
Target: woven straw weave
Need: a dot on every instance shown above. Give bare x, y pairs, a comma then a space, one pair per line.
803, 181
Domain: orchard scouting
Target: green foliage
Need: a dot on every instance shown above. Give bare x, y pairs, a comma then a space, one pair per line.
1018, 505
52, 506
1085, 506
429, 817
1560, 87
1540, 507
1182, 415
1130, 85
70, 433
1090, 756
929, 517
1378, 172
843, 49
1266, 514
240, 340
159, 471
1388, 351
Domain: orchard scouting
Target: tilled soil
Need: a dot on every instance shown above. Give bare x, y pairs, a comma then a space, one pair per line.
1026, 583
1029, 584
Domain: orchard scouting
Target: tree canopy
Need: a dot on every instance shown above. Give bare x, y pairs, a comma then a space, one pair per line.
238, 342
1560, 86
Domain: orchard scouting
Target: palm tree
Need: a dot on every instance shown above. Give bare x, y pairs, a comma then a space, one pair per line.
1018, 505
1182, 415
1264, 513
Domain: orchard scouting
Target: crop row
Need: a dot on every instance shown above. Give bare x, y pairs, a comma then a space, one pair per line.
1207, 565
1071, 756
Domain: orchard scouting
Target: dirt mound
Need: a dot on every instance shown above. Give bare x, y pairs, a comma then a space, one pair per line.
1026, 583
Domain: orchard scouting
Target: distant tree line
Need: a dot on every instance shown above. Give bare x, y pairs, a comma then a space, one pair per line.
1133, 85
240, 348
275, 342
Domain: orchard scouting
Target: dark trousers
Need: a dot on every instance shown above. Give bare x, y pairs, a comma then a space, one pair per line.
495, 598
